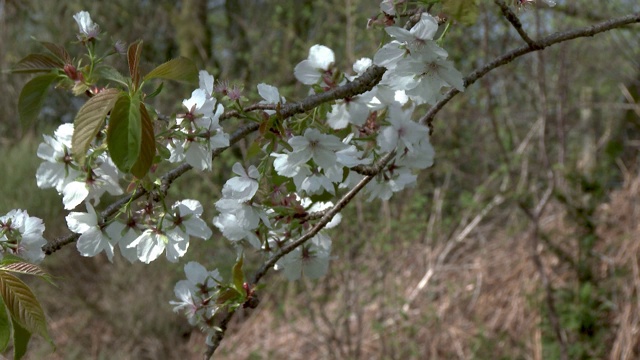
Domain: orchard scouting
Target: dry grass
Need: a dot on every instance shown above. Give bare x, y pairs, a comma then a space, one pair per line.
484, 301
481, 298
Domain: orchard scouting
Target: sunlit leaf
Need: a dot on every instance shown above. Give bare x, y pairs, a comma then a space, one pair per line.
180, 69
32, 97
23, 306
125, 131
147, 145
24, 268
89, 120
33, 63
238, 275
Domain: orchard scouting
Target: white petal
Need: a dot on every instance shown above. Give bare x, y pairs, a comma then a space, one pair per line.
321, 57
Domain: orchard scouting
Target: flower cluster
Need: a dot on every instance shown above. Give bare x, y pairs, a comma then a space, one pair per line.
145, 235
197, 295
239, 215
74, 182
199, 128
271, 205
21, 235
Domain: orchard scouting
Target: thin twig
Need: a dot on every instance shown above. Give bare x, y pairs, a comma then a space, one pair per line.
512, 55
362, 84
324, 220
513, 19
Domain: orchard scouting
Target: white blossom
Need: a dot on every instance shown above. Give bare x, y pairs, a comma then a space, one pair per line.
21, 235
310, 71
93, 240
88, 29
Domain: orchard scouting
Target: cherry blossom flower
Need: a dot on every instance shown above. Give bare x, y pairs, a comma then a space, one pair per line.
58, 169
124, 235
310, 71
242, 187
402, 133
93, 239
92, 184
195, 294
271, 95
383, 186
206, 83
88, 29
309, 260
173, 236
317, 146
200, 130
21, 235
234, 229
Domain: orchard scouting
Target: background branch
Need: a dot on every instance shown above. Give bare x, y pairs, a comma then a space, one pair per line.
541, 44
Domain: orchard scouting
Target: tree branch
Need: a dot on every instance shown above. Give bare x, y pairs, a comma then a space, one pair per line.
324, 220
362, 84
513, 19
543, 43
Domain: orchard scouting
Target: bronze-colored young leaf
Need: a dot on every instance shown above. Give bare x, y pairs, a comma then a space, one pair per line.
34, 63
133, 57
32, 97
23, 305
180, 69
125, 131
147, 145
89, 121
58, 51
5, 327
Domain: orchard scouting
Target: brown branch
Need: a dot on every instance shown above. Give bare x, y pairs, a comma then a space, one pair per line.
360, 85
512, 55
515, 21
268, 265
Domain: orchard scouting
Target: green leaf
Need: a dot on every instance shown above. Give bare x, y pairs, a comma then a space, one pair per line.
133, 57
147, 145
58, 51
23, 306
5, 327
89, 120
464, 11
163, 151
125, 131
109, 73
32, 97
10, 259
180, 69
254, 150
21, 337
156, 91
238, 275
229, 295
34, 63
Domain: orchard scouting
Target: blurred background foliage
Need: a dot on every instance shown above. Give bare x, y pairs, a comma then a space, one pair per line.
472, 263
